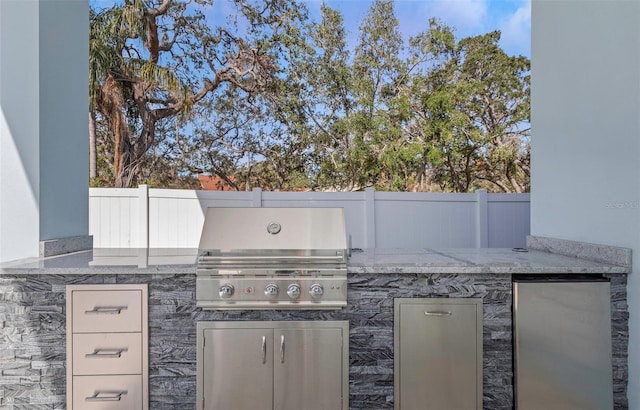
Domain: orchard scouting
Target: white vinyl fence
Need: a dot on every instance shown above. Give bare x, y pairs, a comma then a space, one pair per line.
171, 218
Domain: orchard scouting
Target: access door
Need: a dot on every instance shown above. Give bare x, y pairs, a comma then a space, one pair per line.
308, 368
438, 354
237, 369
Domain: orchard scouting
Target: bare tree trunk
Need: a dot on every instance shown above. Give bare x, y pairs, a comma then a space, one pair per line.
120, 155
111, 104
92, 145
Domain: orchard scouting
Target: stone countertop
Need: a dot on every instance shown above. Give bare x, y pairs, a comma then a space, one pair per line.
383, 261
108, 261
470, 261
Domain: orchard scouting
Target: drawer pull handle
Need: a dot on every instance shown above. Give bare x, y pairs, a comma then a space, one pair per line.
105, 310
438, 313
107, 395
106, 353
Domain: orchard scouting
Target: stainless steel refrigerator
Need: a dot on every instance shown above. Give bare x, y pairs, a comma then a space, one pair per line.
562, 343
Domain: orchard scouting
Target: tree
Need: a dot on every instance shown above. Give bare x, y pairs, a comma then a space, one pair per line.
153, 60
326, 83
376, 68
121, 80
497, 105
248, 145
271, 99
255, 138
471, 111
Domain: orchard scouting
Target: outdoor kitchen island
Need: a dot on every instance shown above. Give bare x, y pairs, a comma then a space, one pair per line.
33, 316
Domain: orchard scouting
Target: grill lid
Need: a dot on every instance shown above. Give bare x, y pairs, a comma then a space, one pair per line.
255, 237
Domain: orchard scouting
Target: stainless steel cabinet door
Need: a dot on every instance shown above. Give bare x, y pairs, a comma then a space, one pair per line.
438, 354
308, 369
238, 369
563, 346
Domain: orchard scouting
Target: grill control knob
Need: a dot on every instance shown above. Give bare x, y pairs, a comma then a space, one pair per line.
316, 290
271, 290
226, 291
293, 291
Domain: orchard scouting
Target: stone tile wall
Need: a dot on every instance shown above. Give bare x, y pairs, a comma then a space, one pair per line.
619, 340
33, 356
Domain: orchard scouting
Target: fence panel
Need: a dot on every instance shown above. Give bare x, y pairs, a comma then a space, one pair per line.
164, 218
175, 219
423, 220
508, 216
113, 217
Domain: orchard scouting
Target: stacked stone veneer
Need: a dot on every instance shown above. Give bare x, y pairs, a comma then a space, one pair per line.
33, 356
619, 340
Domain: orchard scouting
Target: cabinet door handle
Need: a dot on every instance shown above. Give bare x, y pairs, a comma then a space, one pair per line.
106, 353
264, 349
105, 310
106, 395
281, 348
437, 313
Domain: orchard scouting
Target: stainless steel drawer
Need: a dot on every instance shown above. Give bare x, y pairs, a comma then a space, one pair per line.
107, 353
107, 311
107, 392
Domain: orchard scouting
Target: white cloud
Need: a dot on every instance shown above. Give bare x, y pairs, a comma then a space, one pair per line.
473, 17
465, 15
516, 30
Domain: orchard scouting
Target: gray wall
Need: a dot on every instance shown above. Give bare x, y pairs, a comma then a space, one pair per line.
43, 123
19, 125
586, 132
64, 113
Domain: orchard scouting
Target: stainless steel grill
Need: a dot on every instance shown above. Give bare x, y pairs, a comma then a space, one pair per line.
272, 258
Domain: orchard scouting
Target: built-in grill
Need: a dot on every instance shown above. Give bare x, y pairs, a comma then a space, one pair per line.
272, 258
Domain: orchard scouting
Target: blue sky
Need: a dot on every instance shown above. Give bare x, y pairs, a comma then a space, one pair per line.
468, 17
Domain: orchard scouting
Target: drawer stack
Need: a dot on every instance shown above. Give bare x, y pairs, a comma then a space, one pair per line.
107, 347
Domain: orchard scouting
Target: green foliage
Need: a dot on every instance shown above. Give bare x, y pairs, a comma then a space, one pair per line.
275, 100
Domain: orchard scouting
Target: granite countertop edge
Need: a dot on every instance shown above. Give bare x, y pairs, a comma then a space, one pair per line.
572, 258
485, 270
357, 270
